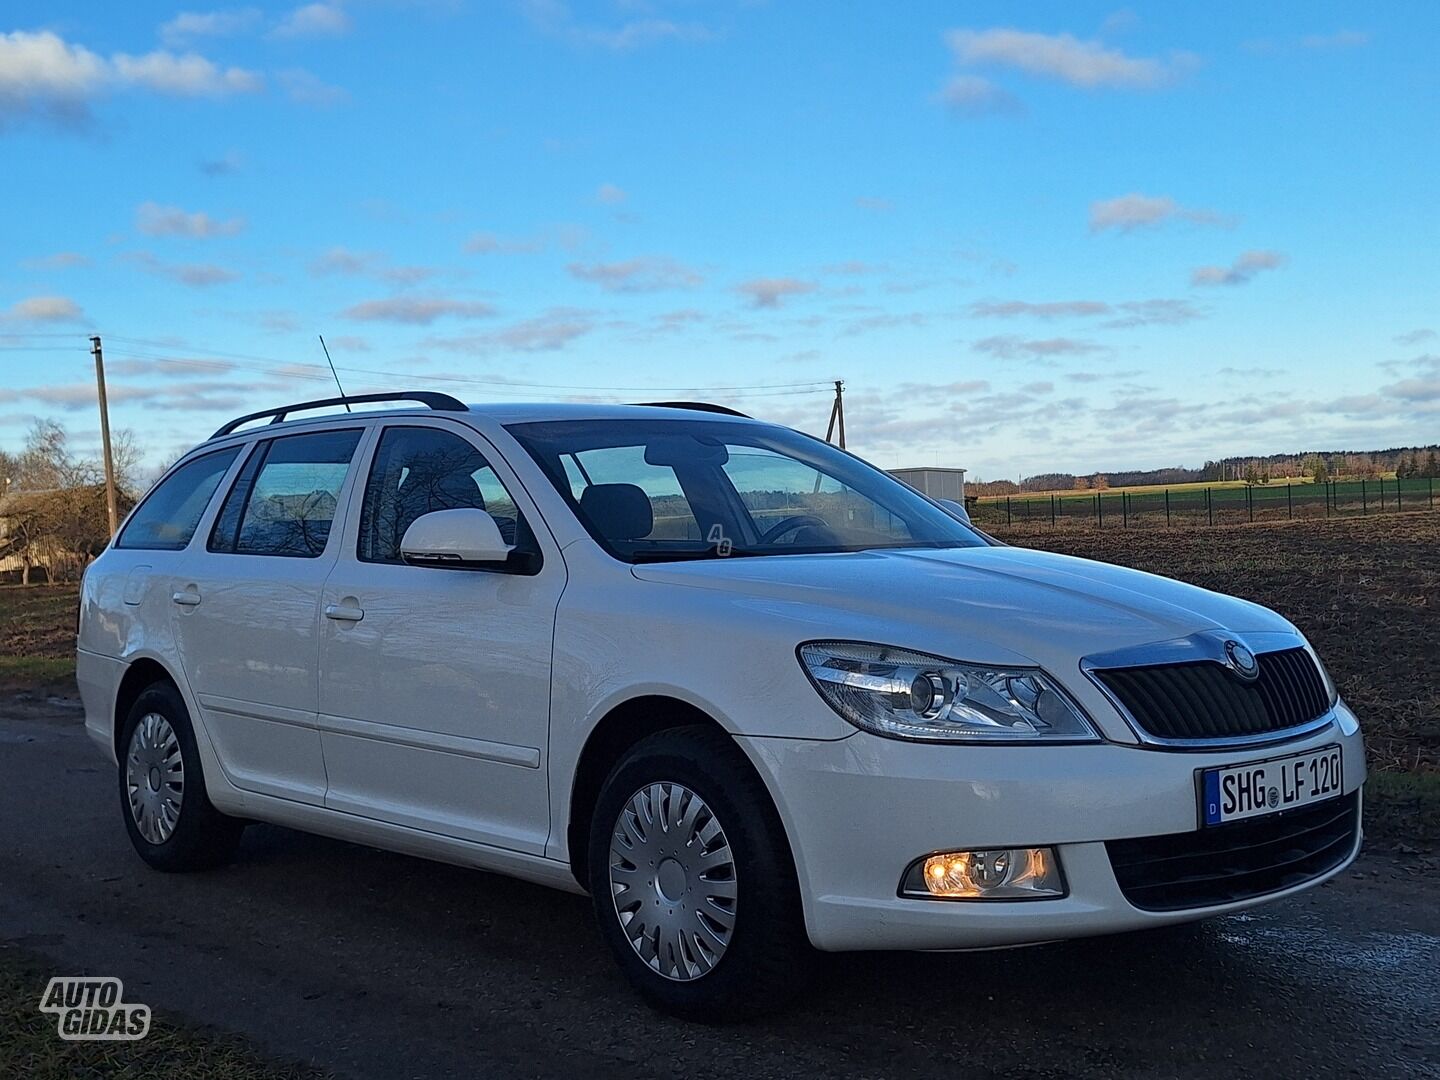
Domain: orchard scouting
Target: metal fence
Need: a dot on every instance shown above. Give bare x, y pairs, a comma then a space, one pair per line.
1207, 505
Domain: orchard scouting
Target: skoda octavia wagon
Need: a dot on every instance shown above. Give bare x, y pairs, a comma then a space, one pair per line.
753, 695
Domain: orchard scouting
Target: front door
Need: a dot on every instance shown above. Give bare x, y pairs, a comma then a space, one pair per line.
247, 608
435, 683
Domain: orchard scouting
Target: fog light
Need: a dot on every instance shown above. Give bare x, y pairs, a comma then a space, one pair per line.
993, 874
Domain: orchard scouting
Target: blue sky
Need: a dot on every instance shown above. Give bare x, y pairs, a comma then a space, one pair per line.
1033, 237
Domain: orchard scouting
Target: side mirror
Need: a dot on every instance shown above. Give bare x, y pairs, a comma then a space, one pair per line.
955, 509
454, 539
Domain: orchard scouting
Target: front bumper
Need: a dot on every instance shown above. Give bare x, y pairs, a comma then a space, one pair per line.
858, 810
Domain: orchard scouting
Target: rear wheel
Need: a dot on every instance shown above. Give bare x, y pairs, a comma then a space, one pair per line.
692, 879
167, 811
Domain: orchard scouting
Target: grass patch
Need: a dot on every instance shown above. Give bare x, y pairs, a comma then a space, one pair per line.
30, 1046
1404, 804
32, 670
37, 637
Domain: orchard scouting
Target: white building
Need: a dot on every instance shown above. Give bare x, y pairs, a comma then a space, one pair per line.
937, 483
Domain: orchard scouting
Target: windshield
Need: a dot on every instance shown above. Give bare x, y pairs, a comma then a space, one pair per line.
652, 490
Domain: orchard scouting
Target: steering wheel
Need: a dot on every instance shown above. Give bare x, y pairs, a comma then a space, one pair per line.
790, 524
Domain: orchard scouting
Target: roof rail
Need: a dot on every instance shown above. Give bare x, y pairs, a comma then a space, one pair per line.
442, 402
697, 406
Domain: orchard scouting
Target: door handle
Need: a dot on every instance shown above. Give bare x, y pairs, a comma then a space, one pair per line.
185, 597
344, 613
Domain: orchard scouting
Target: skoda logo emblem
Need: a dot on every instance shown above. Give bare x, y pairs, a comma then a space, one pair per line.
1242, 660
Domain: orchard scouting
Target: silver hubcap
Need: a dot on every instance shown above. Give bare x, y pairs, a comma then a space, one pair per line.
672, 876
155, 778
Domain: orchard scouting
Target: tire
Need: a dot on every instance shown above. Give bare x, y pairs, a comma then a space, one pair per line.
673, 879
157, 746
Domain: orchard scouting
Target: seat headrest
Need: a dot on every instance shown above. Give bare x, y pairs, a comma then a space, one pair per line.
457, 491
618, 511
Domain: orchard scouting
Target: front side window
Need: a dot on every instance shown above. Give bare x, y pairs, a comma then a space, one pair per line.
420, 469
650, 490
285, 499
167, 519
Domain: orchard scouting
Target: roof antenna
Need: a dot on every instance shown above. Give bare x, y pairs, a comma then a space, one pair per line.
332, 368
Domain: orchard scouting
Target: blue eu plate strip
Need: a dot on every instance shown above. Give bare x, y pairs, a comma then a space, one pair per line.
1212, 797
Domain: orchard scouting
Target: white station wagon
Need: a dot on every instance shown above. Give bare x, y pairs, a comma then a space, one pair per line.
753, 695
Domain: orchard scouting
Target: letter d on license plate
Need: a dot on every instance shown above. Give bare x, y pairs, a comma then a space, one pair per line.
1236, 792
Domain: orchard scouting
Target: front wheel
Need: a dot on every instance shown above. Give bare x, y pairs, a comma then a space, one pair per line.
168, 814
692, 879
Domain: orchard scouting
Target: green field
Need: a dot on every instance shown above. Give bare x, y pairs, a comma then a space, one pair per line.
1217, 486
37, 638
1229, 502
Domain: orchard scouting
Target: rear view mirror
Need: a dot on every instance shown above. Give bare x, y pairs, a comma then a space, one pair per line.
676, 450
454, 539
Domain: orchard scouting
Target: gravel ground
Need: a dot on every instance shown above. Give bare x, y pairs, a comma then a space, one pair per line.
378, 965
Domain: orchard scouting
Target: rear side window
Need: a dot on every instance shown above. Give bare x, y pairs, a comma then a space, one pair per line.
285, 499
420, 469
168, 518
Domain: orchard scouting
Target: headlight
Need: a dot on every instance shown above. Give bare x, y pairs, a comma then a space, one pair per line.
909, 695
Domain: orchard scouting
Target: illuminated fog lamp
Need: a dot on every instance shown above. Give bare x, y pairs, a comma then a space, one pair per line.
992, 874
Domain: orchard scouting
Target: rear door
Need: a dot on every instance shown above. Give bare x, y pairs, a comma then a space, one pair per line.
247, 603
435, 682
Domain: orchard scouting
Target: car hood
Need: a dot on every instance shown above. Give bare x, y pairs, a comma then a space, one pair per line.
982, 604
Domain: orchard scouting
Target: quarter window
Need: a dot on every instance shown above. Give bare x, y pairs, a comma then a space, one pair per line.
420, 469
285, 500
168, 518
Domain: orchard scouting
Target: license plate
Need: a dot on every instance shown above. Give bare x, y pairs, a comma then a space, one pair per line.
1237, 792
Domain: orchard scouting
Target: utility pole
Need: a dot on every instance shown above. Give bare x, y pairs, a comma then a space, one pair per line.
110, 508
837, 414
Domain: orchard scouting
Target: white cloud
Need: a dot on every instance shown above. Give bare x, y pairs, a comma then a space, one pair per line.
1118, 22
198, 275
1155, 313
645, 274
484, 243
1009, 347
417, 310
1051, 309
152, 219
189, 25
232, 161
41, 73
1127, 313
973, 96
611, 195
306, 88
772, 292
554, 18
1415, 337
1087, 64
61, 260
326, 19
188, 75
548, 332
1136, 211
1341, 39
1245, 267
340, 260
45, 309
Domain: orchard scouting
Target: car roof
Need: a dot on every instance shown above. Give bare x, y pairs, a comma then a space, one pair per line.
498, 412
521, 413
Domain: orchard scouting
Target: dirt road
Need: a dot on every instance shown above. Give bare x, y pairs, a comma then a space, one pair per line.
377, 965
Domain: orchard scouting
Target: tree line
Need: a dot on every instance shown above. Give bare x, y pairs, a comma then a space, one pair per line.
1409, 462
53, 512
